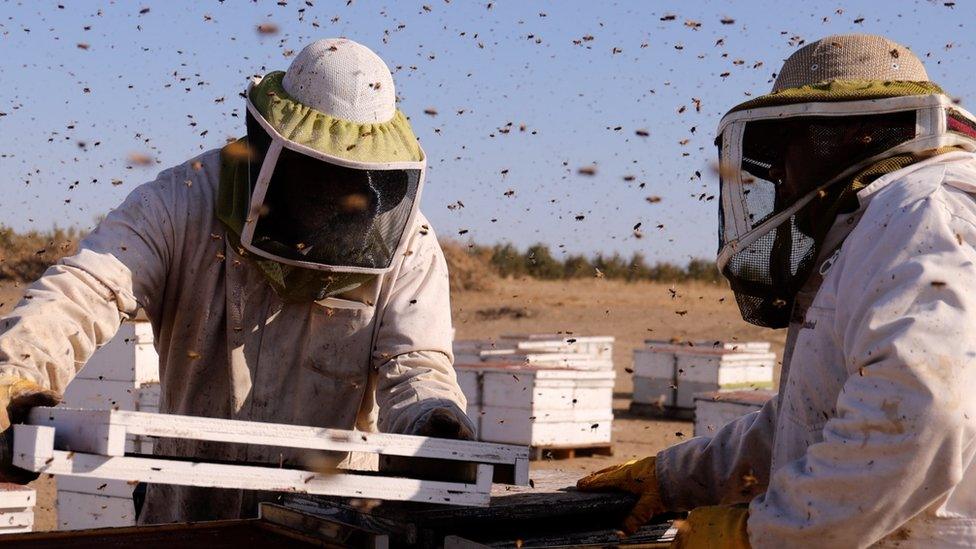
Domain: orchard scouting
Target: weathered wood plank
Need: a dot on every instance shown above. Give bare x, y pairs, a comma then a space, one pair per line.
274, 434
15, 496
34, 451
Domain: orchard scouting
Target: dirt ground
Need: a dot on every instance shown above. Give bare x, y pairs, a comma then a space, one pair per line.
631, 312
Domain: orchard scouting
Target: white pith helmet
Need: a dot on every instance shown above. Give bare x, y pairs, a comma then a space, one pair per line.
343, 79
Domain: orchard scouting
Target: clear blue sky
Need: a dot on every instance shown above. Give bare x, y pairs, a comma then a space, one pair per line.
87, 85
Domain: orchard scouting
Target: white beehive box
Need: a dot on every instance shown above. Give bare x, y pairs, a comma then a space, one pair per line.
130, 356
542, 390
546, 428
721, 370
717, 408
597, 347
549, 350
122, 375
670, 375
16, 508
94, 503
537, 389
545, 407
469, 379
576, 361
744, 346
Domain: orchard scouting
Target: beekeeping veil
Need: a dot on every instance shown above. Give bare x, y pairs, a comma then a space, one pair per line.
843, 111
324, 186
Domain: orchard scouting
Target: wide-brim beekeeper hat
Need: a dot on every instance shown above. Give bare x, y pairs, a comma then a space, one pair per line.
330, 175
859, 97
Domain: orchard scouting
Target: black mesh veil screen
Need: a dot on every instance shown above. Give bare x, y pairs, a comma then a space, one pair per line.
325, 214
783, 161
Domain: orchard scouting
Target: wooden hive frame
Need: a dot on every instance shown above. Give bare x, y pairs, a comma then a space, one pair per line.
16, 508
91, 444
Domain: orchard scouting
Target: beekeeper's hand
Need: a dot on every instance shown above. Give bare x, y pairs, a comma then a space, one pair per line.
17, 397
437, 423
637, 477
443, 423
718, 526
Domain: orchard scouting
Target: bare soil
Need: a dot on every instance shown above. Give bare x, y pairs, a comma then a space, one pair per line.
631, 312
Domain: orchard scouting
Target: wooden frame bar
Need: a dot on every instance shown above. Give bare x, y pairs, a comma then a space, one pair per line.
91, 444
34, 450
103, 432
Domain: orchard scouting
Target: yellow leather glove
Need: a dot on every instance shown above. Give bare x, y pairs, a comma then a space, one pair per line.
17, 397
637, 477
714, 527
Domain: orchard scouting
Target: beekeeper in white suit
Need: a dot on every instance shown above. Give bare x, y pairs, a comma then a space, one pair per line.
848, 207
289, 278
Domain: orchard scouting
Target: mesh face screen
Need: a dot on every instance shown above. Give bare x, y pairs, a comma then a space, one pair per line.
322, 213
783, 161
765, 275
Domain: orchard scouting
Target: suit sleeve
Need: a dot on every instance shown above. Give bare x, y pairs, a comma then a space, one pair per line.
413, 357
904, 430
79, 303
730, 467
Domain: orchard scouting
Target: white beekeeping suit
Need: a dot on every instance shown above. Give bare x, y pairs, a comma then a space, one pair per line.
849, 214
289, 278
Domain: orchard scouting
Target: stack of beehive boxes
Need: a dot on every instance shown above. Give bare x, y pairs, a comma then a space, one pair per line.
539, 391
716, 408
667, 376
544, 350
122, 375
16, 508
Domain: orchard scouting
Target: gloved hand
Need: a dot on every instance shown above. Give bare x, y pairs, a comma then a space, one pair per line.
718, 526
443, 423
637, 477
437, 423
17, 397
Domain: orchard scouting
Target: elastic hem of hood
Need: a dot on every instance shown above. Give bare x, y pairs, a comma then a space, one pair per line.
834, 91
390, 141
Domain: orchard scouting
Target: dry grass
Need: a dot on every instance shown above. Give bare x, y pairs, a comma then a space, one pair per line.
25, 256
469, 269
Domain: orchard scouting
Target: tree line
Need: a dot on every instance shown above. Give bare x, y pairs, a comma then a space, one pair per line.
25, 256
538, 261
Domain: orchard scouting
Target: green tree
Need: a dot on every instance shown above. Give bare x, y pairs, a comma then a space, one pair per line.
704, 270
577, 266
507, 260
541, 264
638, 269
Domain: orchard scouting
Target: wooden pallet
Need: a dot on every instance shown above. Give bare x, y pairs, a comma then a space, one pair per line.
537, 453
91, 444
656, 410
